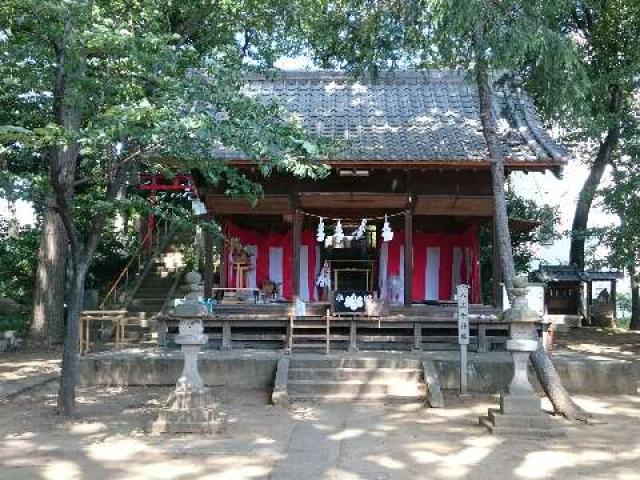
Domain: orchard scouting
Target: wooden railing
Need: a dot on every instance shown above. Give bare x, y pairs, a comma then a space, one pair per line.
150, 247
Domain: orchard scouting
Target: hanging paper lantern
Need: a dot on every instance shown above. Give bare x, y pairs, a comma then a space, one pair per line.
320, 234
359, 233
387, 233
338, 235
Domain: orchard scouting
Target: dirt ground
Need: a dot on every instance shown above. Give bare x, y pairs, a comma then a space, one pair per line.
108, 440
613, 343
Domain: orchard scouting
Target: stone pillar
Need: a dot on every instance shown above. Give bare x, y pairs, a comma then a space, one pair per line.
191, 407
520, 411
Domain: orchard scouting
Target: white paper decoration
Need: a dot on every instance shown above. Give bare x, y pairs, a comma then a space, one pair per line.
320, 235
387, 233
358, 234
338, 235
324, 279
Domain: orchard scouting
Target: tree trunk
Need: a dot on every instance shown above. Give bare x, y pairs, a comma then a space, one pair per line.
588, 192
552, 385
501, 225
47, 323
69, 371
635, 300
549, 378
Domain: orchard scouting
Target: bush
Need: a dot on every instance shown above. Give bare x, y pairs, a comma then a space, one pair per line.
18, 322
18, 261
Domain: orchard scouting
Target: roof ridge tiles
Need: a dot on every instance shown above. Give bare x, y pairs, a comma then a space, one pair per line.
386, 77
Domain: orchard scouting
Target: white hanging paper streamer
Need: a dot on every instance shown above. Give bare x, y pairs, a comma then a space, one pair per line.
338, 235
359, 233
324, 279
320, 236
387, 233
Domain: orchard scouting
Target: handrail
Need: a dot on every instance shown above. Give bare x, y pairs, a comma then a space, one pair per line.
124, 274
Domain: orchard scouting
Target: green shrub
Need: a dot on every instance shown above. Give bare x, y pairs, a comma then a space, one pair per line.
18, 322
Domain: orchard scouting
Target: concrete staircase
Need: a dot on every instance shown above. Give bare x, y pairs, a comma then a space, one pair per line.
149, 299
355, 379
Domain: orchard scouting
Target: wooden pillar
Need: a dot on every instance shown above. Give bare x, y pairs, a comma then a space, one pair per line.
208, 264
613, 299
295, 252
587, 307
224, 260
408, 254
496, 275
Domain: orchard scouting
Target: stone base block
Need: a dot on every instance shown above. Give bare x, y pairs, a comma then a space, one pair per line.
529, 405
536, 432
203, 421
189, 411
521, 415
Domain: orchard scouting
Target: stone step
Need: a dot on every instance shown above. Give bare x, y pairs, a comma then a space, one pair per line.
353, 362
148, 309
364, 397
538, 420
533, 432
387, 375
150, 297
355, 388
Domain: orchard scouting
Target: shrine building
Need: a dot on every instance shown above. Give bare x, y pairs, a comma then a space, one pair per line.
412, 154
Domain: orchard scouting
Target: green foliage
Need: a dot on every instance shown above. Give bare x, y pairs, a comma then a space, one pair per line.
18, 260
149, 86
18, 322
524, 242
622, 199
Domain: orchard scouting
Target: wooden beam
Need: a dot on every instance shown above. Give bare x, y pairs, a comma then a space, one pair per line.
269, 205
470, 206
408, 254
295, 253
348, 200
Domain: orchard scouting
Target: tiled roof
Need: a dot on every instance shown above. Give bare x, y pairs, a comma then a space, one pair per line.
570, 273
412, 116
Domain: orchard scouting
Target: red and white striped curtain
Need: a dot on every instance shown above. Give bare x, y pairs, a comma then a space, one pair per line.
271, 256
440, 262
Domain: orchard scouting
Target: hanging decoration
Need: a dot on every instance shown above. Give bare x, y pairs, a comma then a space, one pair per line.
320, 235
387, 233
324, 278
359, 233
338, 235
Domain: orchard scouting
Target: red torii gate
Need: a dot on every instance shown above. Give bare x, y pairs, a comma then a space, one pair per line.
156, 182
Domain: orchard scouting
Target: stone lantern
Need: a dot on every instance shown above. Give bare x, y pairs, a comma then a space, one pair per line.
520, 411
191, 407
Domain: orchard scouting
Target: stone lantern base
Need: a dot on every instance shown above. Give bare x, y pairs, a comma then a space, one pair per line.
189, 411
521, 415
520, 412
191, 407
